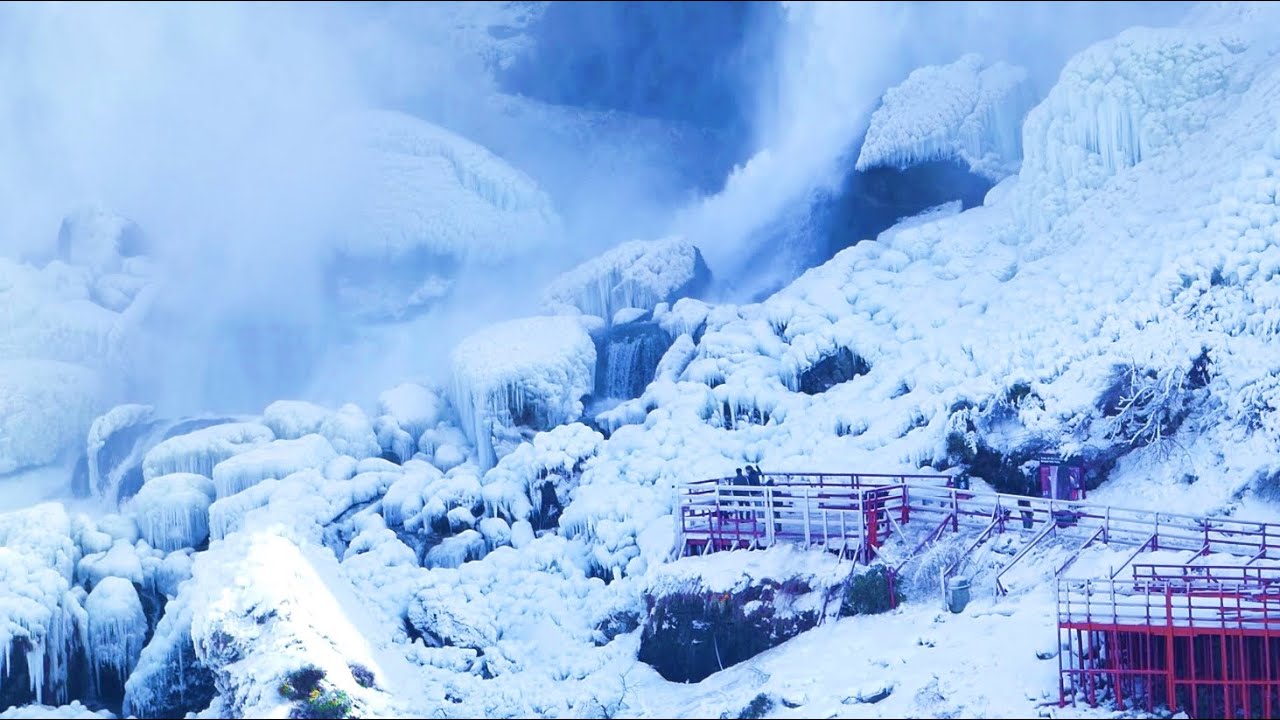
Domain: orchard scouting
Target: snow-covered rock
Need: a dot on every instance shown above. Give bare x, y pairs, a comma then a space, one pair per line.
637, 274
199, 451
968, 111
350, 433
434, 191
276, 459
173, 510
531, 372
414, 407
291, 419
117, 627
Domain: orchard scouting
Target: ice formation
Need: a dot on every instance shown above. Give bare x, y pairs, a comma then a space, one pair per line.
72, 711
433, 190
636, 274
529, 372
291, 419
121, 427
968, 111
393, 440
173, 510
628, 357
1115, 106
117, 627
413, 407
46, 404
199, 451
37, 605
350, 433
276, 459
96, 238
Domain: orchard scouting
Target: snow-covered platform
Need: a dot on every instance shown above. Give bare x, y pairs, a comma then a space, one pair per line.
1200, 633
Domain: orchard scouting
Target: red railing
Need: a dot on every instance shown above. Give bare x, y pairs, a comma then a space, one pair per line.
930, 497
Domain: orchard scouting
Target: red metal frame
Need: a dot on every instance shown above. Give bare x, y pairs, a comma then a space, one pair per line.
1203, 639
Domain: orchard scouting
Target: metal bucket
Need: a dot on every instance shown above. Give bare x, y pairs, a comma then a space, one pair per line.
957, 594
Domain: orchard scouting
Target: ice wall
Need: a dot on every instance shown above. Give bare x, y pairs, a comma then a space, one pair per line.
529, 372
637, 274
969, 111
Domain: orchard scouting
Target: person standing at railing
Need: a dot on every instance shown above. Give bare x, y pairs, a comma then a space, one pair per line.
740, 479
1032, 489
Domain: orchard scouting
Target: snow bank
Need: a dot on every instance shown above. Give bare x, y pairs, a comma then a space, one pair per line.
73, 711
519, 610
173, 510
530, 372
44, 406
637, 274
273, 460
967, 111
198, 452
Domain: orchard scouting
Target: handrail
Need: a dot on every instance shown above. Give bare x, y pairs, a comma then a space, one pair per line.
933, 535
1050, 528
964, 556
1149, 541
700, 501
1076, 555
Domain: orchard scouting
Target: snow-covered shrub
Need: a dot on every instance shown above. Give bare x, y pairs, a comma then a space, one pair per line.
300, 683
759, 706
1143, 406
362, 675
327, 704
314, 701
871, 592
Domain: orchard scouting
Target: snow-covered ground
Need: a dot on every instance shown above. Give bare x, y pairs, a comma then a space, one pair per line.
483, 554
